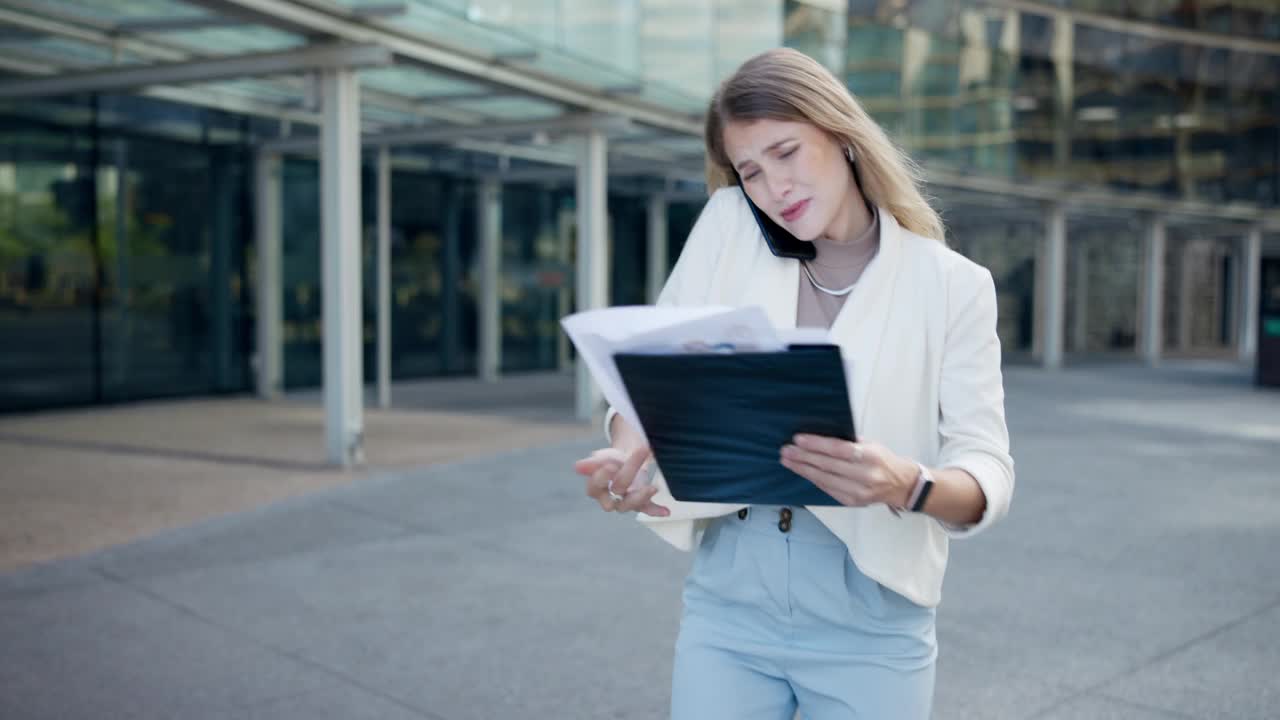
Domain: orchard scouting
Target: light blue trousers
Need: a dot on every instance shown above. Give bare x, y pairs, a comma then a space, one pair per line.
776, 621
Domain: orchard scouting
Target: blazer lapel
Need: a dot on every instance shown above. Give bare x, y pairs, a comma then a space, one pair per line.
861, 322
775, 285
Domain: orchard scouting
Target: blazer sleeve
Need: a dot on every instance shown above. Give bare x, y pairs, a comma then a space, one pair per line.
972, 425
690, 279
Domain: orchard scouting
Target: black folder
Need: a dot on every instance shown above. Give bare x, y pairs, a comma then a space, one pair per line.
717, 421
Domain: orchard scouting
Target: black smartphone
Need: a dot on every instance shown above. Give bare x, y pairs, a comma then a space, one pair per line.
781, 242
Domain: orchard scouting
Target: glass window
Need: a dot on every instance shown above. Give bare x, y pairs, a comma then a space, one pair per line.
681, 217
603, 30
300, 272
673, 44
432, 239
744, 28
47, 265
535, 270
817, 30
1001, 237
121, 253
433, 295
1199, 288
172, 226
1104, 269
628, 249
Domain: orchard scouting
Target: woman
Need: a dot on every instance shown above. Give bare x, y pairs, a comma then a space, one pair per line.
829, 610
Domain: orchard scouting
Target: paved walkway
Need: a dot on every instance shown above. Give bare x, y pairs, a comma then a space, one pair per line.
80, 480
1136, 578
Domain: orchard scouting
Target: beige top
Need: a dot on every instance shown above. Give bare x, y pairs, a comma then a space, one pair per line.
837, 266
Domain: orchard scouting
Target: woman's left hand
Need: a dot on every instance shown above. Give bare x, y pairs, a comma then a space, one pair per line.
856, 474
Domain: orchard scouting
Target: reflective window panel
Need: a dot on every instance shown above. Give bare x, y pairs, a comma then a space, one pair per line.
48, 265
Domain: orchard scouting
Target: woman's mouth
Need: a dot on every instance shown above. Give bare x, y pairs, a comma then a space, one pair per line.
792, 212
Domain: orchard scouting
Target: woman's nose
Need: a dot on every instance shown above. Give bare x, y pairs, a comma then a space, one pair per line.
779, 187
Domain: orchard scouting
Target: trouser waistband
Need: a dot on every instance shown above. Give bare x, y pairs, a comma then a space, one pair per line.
795, 523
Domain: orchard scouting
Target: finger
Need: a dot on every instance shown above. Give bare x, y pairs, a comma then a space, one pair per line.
834, 447
832, 485
626, 476
588, 465
655, 510
635, 500
614, 485
606, 463
834, 465
599, 488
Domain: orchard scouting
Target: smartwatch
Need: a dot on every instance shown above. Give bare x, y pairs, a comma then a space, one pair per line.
924, 483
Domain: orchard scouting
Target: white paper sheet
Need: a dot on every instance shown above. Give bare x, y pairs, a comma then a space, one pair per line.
599, 334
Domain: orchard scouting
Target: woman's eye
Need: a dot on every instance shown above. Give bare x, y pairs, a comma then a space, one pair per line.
750, 177
788, 153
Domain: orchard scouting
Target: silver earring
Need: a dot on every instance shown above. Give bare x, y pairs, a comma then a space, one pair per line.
848, 152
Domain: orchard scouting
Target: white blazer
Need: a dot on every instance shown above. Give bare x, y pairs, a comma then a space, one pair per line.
920, 331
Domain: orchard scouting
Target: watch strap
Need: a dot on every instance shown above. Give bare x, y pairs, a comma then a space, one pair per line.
924, 484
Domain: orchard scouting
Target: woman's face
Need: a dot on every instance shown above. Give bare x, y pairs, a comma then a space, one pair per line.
797, 174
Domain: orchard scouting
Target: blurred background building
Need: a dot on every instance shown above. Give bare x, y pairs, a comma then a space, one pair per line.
225, 196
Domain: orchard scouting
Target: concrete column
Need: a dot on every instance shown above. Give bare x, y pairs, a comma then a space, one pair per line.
1055, 271
1250, 291
384, 277
656, 274
1063, 53
1153, 292
593, 261
340, 255
490, 332
269, 351
1080, 293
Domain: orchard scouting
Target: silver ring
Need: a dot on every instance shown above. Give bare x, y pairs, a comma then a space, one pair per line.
613, 495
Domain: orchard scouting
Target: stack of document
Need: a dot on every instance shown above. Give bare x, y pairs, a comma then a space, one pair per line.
598, 335
717, 391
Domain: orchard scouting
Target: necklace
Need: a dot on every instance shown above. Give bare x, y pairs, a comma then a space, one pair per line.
814, 281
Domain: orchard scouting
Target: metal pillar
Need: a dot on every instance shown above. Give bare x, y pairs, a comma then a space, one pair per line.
269, 349
1055, 255
657, 266
340, 252
593, 260
490, 225
1153, 292
384, 277
1250, 289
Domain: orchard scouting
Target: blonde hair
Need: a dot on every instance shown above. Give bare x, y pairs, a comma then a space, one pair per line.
787, 85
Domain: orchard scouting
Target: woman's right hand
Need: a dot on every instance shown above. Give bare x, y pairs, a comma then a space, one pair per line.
610, 470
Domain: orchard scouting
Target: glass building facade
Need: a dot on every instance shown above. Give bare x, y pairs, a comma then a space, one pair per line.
1176, 100
127, 257
126, 249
